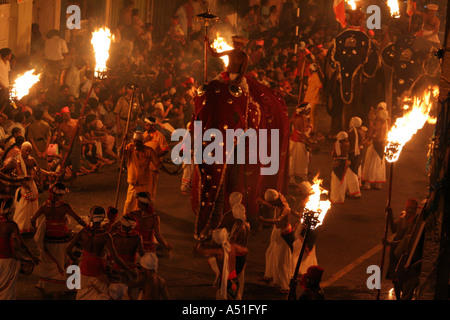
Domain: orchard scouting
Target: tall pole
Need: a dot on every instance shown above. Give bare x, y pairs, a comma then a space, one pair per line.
206, 17
125, 136
75, 135
386, 227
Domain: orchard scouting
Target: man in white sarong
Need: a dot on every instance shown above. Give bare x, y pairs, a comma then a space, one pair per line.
340, 168
299, 144
354, 156
279, 253
9, 263
374, 168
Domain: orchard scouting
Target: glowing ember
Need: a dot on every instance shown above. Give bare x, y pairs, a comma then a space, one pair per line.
393, 6
220, 45
101, 40
352, 4
23, 84
408, 125
315, 204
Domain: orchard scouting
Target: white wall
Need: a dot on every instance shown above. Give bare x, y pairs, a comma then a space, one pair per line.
47, 14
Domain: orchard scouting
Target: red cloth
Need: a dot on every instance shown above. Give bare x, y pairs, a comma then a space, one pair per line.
147, 237
129, 259
265, 110
92, 265
6, 248
339, 11
56, 228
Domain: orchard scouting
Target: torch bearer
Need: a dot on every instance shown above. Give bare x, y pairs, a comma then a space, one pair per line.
101, 41
206, 17
312, 217
125, 138
402, 131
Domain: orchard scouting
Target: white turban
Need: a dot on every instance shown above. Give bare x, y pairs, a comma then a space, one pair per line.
138, 135
356, 122
271, 195
382, 106
239, 212
117, 291
220, 236
26, 144
305, 187
149, 261
128, 223
340, 136
235, 198
142, 199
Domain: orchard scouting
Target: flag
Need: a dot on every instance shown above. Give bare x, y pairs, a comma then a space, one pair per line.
410, 8
339, 11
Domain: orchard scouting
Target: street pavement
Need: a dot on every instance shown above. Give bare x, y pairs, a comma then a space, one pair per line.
348, 242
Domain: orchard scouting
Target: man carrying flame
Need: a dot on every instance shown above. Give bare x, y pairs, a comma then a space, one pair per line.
374, 171
279, 253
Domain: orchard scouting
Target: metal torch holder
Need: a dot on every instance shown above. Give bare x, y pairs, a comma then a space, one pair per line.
310, 220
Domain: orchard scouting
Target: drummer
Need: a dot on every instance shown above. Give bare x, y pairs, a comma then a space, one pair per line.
9, 264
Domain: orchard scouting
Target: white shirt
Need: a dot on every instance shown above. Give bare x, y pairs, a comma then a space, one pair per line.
73, 81
55, 48
4, 73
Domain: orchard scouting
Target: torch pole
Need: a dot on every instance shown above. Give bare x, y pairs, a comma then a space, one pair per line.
205, 67
386, 227
75, 134
293, 284
300, 87
123, 148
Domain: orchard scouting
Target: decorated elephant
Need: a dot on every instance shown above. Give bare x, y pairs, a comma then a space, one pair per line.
225, 107
352, 59
413, 64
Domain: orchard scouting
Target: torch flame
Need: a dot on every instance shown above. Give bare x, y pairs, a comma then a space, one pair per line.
24, 83
315, 204
220, 45
101, 41
393, 7
352, 4
407, 126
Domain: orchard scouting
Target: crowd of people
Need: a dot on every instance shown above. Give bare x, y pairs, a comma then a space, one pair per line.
73, 124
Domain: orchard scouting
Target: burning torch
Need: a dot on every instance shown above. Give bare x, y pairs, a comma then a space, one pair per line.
21, 87
101, 41
313, 215
402, 131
